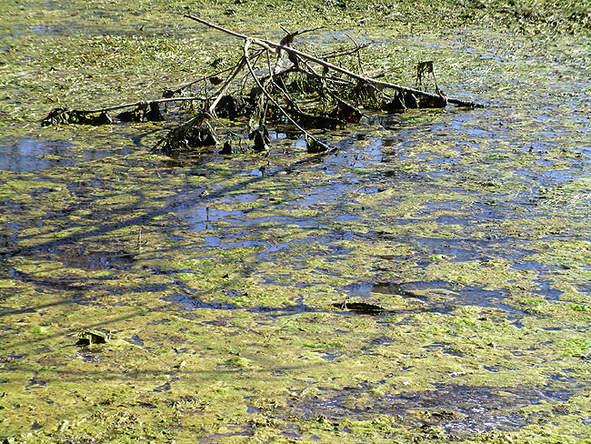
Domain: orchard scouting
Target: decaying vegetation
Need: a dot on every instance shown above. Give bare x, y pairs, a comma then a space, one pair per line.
272, 84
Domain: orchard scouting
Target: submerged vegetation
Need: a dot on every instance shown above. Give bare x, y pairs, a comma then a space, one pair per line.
428, 281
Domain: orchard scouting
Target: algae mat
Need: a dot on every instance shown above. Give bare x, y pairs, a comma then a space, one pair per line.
429, 282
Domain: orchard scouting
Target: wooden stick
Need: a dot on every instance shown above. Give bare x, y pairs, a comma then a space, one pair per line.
268, 44
178, 89
344, 52
271, 80
224, 88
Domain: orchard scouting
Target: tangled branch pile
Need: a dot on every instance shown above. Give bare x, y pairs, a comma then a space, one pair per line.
271, 84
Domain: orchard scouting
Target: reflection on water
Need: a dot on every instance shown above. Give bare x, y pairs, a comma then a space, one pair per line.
29, 154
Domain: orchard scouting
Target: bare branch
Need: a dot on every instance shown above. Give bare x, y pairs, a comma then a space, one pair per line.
380, 83
237, 68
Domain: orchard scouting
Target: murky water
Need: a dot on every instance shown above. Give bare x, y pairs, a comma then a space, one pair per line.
473, 222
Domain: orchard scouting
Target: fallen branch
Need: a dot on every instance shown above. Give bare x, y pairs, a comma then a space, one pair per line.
301, 89
314, 145
277, 46
64, 115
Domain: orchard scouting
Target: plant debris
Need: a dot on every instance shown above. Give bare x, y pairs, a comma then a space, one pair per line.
361, 307
93, 336
272, 84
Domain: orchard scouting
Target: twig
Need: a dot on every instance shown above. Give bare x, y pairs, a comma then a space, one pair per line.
301, 31
246, 76
289, 37
271, 80
328, 90
357, 53
344, 52
136, 104
237, 68
178, 89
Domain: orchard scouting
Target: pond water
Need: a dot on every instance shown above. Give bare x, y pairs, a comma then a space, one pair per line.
30, 154
463, 235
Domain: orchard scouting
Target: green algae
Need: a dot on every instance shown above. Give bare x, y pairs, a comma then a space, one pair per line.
218, 281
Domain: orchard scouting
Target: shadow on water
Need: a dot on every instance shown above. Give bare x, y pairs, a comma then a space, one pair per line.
182, 200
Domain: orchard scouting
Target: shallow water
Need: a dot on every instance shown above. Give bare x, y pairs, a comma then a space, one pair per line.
30, 154
433, 274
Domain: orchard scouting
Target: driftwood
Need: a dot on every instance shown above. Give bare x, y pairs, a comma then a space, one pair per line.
139, 112
290, 87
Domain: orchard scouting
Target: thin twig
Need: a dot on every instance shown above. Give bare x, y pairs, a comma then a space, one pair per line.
136, 104
327, 89
357, 53
178, 89
226, 84
271, 79
246, 76
344, 52
301, 31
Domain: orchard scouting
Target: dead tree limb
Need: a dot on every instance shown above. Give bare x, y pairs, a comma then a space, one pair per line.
277, 46
226, 84
298, 88
64, 115
143, 102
